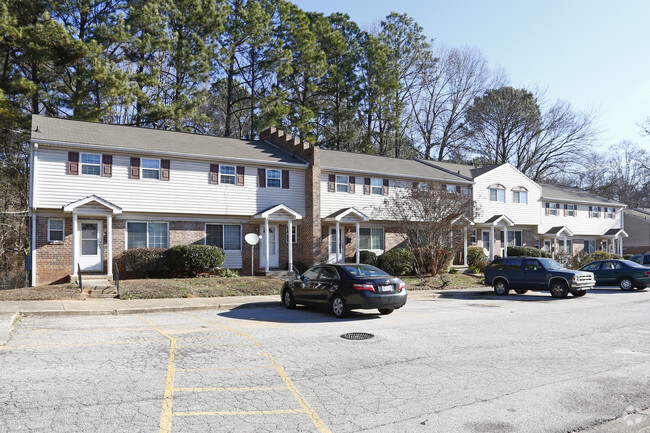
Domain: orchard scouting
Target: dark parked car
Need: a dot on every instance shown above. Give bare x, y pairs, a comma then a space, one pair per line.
536, 273
624, 273
345, 287
642, 259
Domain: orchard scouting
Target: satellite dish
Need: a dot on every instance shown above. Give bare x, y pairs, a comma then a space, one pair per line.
252, 239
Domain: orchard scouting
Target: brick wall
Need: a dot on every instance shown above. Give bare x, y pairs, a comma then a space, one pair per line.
53, 259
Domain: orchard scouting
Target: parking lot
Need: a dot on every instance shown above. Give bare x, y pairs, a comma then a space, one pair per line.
462, 362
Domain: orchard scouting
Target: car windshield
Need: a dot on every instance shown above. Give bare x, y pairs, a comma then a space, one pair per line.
364, 271
550, 264
632, 264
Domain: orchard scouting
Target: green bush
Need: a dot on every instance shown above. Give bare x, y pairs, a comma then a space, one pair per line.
146, 262
474, 269
583, 258
527, 251
230, 273
368, 257
432, 261
397, 261
453, 270
191, 260
475, 255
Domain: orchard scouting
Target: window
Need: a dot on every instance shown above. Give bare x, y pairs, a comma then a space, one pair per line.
227, 174
150, 168
343, 183
603, 246
553, 209
224, 236
472, 237
565, 247
91, 164
329, 273
514, 238
537, 243
371, 239
451, 188
590, 246
376, 186
571, 210
55, 230
592, 266
610, 212
294, 234
273, 178
312, 273
498, 193
520, 196
594, 211
147, 235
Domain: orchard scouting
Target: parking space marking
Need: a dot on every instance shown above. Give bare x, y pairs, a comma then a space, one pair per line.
243, 412
238, 389
226, 368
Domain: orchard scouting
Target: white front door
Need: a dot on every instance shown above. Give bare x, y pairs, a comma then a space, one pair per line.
274, 260
90, 245
332, 245
486, 242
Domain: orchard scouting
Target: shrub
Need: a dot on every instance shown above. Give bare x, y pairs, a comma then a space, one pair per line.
474, 269
191, 260
583, 258
432, 260
146, 262
527, 251
453, 270
230, 273
368, 257
397, 261
475, 255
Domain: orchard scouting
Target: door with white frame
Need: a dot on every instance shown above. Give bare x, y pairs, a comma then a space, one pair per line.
274, 260
486, 242
332, 245
90, 245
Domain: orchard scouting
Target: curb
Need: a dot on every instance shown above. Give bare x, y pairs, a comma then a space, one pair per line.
5, 330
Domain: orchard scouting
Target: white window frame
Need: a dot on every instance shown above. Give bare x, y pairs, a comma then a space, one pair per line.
345, 184
228, 178
126, 232
294, 234
223, 243
514, 238
383, 238
88, 164
571, 210
472, 237
517, 196
377, 189
553, 209
610, 212
49, 230
268, 177
565, 246
500, 194
142, 167
594, 212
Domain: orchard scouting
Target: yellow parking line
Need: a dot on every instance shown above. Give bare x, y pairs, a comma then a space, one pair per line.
166, 415
244, 389
301, 400
242, 412
225, 368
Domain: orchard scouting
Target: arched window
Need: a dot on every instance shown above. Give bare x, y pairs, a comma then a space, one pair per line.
497, 192
520, 195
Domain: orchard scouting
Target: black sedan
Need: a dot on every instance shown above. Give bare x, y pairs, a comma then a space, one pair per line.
624, 273
345, 287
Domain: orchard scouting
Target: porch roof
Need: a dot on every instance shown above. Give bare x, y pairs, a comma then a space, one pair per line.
279, 212
73, 206
615, 233
348, 214
496, 219
556, 231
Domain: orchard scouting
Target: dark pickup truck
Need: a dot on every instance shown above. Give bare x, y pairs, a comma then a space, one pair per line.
536, 273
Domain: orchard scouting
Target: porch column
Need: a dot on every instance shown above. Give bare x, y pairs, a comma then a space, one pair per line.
338, 241
290, 231
492, 243
465, 246
109, 245
554, 246
357, 242
505, 242
620, 245
266, 244
75, 249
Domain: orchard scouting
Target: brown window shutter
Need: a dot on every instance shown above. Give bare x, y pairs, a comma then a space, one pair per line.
385, 191
331, 183
458, 189
366, 185
107, 165
240, 175
575, 210
590, 210
566, 209
261, 177
73, 163
214, 174
548, 208
285, 179
164, 169
599, 211
353, 181
134, 172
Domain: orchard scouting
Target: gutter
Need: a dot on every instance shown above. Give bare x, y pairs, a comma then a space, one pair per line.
395, 175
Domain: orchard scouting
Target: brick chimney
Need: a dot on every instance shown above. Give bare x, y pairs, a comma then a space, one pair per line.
310, 249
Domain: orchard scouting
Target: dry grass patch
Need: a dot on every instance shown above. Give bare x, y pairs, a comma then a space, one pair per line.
443, 282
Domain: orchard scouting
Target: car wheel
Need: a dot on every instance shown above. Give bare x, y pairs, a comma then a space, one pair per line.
521, 291
339, 309
559, 289
578, 293
626, 284
384, 311
288, 300
501, 287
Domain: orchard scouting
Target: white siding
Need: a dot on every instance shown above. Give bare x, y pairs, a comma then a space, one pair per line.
187, 191
509, 177
580, 225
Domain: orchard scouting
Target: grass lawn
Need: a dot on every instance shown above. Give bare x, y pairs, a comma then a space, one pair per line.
214, 287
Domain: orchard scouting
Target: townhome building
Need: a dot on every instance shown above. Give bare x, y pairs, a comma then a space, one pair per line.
98, 190
637, 225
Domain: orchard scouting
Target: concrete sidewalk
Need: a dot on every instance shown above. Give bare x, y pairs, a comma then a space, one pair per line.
10, 311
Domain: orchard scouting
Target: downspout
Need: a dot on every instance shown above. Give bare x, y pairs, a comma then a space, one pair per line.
33, 154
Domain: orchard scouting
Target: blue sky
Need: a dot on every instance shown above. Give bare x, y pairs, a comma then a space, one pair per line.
594, 54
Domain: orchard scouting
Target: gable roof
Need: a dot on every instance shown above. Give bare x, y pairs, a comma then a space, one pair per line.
75, 133
576, 195
375, 165
643, 214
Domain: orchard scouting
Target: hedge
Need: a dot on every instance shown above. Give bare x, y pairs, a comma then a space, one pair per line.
191, 260
527, 252
146, 262
368, 257
397, 261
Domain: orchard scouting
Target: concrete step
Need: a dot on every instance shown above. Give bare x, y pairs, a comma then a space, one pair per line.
99, 290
